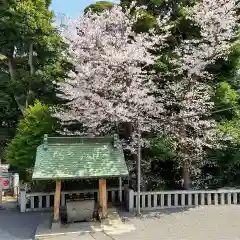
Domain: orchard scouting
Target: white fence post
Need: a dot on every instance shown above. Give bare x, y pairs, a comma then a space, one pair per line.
125, 187
130, 200
120, 189
23, 201
16, 184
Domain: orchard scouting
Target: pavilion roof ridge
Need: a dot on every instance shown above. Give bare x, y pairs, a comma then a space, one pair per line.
79, 139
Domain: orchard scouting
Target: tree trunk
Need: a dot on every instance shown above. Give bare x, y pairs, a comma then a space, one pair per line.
186, 177
12, 72
138, 170
32, 71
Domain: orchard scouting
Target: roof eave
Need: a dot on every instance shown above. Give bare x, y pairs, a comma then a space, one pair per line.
78, 178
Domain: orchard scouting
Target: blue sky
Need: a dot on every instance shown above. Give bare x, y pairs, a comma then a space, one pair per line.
72, 8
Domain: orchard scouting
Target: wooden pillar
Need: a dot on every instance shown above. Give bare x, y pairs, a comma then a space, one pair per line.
56, 215
1, 195
103, 196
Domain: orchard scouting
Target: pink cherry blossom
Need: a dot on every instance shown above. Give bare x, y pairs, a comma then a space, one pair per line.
111, 83
192, 130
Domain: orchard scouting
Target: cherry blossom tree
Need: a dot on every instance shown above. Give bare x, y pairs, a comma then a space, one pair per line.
190, 98
111, 82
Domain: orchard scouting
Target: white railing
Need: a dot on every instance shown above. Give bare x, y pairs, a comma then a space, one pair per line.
185, 198
44, 201
148, 200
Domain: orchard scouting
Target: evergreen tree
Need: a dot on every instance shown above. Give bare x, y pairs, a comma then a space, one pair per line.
32, 58
21, 151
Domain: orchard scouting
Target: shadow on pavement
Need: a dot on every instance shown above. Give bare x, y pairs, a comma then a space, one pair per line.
19, 226
126, 216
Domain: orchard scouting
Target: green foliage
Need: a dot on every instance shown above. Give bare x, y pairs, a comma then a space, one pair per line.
22, 23
26, 22
226, 95
225, 169
226, 98
21, 151
163, 171
162, 64
99, 6
232, 130
145, 22
161, 148
227, 86
9, 113
222, 169
158, 2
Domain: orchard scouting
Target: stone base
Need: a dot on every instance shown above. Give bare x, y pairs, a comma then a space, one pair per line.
49, 229
113, 224
56, 225
45, 232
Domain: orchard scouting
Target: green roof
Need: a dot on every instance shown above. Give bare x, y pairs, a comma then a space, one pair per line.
79, 157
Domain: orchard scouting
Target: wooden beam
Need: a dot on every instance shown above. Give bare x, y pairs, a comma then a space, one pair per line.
103, 196
56, 215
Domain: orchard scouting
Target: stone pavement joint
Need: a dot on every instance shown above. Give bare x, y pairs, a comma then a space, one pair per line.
79, 236
100, 236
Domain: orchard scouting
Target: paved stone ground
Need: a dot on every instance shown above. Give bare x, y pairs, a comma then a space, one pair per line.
199, 223
83, 236
18, 226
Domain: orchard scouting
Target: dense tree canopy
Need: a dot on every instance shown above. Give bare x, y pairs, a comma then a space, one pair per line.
31, 59
98, 91
32, 50
163, 68
99, 6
